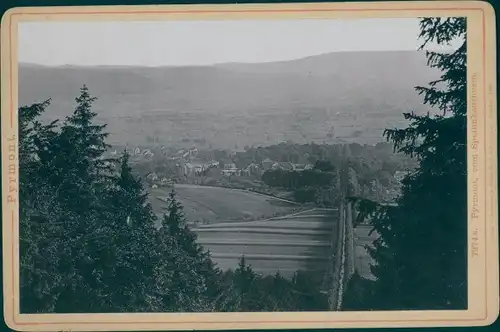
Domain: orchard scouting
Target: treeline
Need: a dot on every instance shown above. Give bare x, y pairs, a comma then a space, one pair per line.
421, 256
370, 161
296, 180
325, 184
310, 153
248, 291
89, 241
373, 168
320, 185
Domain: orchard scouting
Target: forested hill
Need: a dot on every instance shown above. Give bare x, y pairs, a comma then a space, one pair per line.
331, 98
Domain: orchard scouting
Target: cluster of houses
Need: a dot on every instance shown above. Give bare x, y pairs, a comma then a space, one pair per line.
137, 152
187, 165
155, 181
266, 165
182, 154
230, 169
195, 168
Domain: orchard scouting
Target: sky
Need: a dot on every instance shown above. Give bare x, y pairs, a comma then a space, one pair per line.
180, 43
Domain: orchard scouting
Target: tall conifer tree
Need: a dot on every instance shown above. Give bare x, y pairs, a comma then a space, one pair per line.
421, 256
39, 211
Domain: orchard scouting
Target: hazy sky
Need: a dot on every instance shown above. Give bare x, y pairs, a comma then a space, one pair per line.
206, 42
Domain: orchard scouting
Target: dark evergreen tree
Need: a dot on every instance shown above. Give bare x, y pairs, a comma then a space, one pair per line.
130, 259
60, 191
324, 166
307, 293
39, 277
78, 161
421, 256
357, 296
196, 275
280, 292
82, 178
244, 276
229, 298
246, 282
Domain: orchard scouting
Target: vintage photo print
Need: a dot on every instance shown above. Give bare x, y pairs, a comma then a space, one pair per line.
249, 166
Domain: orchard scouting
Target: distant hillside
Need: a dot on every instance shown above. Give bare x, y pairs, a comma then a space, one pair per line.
347, 96
385, 65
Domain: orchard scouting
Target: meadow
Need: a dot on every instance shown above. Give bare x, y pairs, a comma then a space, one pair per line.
301, 241
206, 204
273, 234
362, 259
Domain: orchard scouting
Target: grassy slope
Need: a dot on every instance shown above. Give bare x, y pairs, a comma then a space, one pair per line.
296, 240
221, 204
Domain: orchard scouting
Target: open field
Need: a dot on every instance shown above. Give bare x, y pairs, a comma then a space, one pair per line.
215, 204
273, 234
361, 255
301, 241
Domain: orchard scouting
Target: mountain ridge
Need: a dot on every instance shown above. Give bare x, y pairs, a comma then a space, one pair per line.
217, 64
241, 102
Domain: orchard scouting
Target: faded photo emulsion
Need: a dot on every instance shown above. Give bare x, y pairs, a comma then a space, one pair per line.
310, 165
227, 167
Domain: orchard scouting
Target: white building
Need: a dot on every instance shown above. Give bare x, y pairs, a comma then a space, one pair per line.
267, 164
229, 166
152, 176
399, 175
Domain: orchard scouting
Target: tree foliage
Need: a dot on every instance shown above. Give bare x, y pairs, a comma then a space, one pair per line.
90, 242
421, 255
298, 180
249, 291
